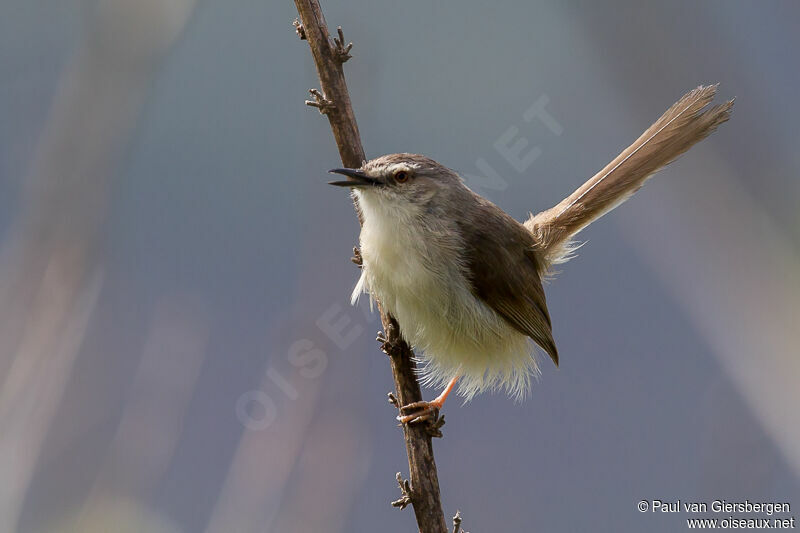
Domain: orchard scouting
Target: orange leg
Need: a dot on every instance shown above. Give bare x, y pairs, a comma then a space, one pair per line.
425, 410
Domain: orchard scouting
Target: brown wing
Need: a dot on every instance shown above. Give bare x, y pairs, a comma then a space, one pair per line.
503, 268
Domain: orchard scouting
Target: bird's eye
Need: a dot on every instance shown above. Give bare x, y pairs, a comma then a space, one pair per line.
401, 176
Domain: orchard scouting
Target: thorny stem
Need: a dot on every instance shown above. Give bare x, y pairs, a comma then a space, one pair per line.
334, 102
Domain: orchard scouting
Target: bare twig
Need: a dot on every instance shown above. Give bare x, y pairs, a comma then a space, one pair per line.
393, 400
298, 28
320, 102
424, 481
457, 522
405, 492
435, 426
342, 51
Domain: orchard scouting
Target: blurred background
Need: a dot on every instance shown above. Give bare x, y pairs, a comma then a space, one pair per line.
177, 352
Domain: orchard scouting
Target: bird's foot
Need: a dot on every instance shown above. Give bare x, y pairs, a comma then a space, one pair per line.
435, 422
420, 411
426, 412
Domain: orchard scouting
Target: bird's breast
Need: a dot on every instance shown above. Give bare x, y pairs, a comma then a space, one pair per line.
416, 272
401, 263
408, 263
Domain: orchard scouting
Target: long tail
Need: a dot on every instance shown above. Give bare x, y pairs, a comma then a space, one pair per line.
683, 125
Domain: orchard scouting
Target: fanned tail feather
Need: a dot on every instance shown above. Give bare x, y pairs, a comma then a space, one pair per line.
679, 128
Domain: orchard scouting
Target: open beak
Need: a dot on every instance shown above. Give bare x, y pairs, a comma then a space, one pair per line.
357, 178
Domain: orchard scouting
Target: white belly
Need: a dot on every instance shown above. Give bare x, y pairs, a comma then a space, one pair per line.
415, 274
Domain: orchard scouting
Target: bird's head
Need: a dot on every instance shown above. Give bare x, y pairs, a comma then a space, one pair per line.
401, 180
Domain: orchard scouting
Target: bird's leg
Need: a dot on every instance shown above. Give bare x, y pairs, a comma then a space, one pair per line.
418, 411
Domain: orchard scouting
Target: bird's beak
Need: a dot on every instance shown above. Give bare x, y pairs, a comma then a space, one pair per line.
357, 178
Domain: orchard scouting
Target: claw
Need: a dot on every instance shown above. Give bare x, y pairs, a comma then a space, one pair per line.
417, 406
418, 412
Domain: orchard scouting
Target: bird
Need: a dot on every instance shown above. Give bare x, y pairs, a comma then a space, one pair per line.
464, 279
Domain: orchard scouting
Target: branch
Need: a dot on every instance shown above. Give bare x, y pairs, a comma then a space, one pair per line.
457, 523
334, 102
